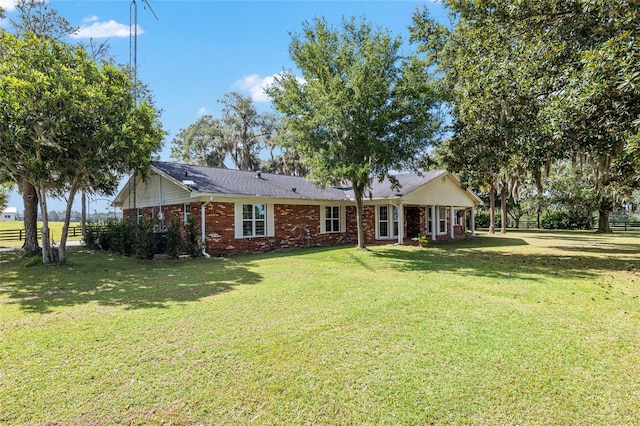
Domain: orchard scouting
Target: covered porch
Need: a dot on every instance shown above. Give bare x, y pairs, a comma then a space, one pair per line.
436, 222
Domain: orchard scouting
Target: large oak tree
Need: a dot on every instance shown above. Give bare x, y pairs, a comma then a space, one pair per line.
541, 81
360, 110
238, 136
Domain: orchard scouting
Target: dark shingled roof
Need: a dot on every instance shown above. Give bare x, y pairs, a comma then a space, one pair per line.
211, 180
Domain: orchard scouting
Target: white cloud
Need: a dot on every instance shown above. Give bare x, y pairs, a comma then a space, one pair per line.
106, 29
202, 111
8, 5
93, 18
256, 85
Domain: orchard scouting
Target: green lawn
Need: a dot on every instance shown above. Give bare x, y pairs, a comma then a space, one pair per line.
530, 328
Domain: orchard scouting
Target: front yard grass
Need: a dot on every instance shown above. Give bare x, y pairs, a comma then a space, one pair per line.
527, 328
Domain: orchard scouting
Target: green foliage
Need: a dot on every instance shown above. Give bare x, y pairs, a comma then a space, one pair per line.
192, 238
422, 240
201, 143
122, 236
91, 237
174, 237
144, 244
69, 123
33, 261
360, 111
4, 194
483, 220
536, 82
118, 236
240, 134
564, 219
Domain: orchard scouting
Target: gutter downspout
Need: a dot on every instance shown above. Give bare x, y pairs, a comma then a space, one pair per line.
202, 226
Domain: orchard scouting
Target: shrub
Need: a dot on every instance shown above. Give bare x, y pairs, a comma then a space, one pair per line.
118, 236
194, 247
483, 220
564, 219
174, 238
422, 240
125, 237
92, 237
143, 244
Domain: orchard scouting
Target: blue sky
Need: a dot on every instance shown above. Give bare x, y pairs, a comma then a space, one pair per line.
196, 51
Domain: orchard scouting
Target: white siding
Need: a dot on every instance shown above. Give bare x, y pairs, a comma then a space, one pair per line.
442, 191
156, 191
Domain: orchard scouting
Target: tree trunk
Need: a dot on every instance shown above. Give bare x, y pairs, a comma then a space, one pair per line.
492, 209
83, 223
358, 192
62, 250
538, 201
503, 209
47, 252
606, 205
30, 200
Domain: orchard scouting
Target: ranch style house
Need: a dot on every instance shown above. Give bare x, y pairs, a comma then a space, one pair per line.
240, 211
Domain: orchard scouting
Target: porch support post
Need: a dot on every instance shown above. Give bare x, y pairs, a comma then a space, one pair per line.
452, 223
434, 222
400, 224
473, 221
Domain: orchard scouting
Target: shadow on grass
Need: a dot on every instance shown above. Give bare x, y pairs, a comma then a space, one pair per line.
110, 280
469, 258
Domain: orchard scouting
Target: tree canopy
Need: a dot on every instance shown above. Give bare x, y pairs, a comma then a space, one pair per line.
360, 110
67, 123
238, 136
540, 81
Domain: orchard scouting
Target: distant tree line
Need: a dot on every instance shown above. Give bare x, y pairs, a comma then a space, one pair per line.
241, 138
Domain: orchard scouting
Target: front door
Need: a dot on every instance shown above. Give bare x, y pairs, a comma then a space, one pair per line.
413, 221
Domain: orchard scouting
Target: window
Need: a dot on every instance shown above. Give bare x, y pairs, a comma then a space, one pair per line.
332, 219
387, 221
395, 220
187, 212
139, 214
253, 220
442, 220
459, 214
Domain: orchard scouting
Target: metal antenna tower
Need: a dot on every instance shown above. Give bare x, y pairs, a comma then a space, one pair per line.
133, 70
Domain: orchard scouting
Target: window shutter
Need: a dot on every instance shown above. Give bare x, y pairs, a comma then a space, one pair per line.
343, 219
237, 224
271, 231
323, 219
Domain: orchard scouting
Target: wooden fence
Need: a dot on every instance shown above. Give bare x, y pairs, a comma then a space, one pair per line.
19, 234
615, 226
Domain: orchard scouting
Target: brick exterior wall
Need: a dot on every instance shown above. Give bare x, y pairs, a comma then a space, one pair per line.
295, 226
